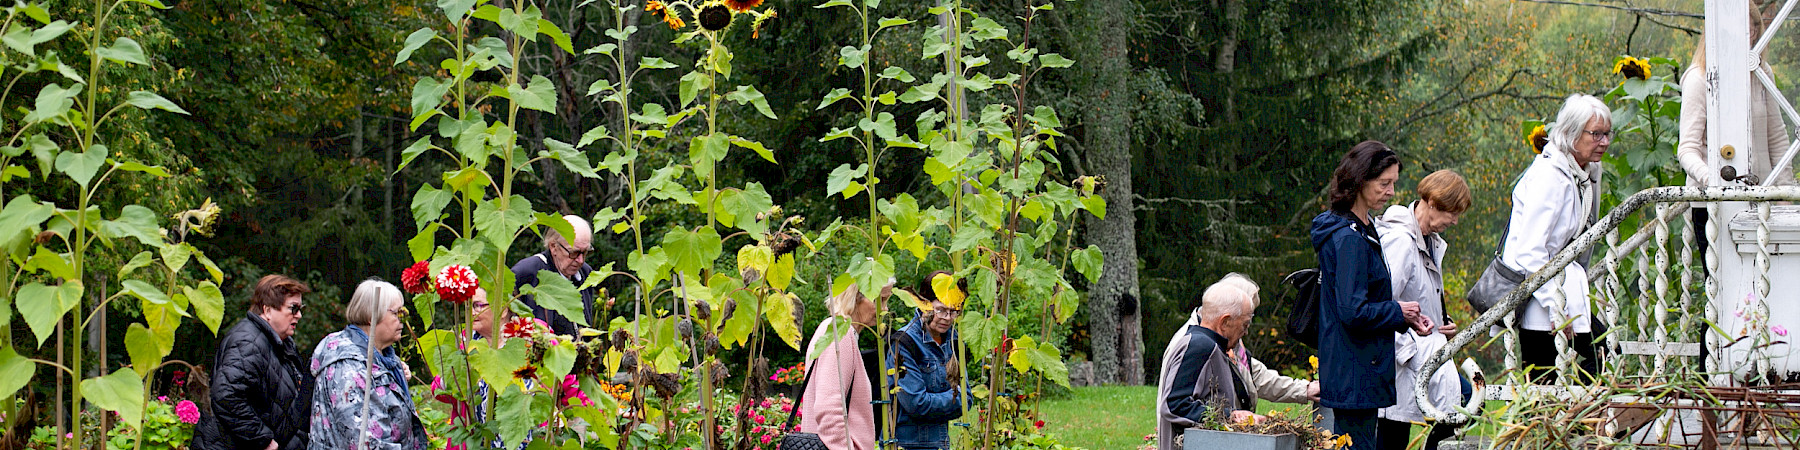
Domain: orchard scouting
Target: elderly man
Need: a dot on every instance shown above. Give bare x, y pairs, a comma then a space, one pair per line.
567, 257
1206, 370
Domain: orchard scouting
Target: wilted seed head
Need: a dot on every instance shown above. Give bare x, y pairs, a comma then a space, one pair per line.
783, 243
666, 384
686, 327
629, 361
702, 310
621, 338
730, 308
719, 373
714, 17
712, 344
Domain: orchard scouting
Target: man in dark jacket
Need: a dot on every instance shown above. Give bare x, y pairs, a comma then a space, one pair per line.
566, 257
261, 389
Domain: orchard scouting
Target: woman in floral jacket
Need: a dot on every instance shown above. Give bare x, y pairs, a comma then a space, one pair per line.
362, 401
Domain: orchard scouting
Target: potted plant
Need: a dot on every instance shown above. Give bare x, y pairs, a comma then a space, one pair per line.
1280, 430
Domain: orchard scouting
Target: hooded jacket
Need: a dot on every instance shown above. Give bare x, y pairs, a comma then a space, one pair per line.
1357, 315
344, 370
261, 392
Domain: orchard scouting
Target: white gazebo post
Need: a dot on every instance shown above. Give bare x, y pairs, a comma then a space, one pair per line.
1728, 65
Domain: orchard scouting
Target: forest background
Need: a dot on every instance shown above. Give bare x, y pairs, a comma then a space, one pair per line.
1228, 114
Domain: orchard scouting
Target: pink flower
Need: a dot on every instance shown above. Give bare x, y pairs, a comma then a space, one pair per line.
437, 384
1779, 330
572, 391
162, 398
765, 439
187, 412
759, 419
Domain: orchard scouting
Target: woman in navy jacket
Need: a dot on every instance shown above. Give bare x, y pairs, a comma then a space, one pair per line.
1357, 312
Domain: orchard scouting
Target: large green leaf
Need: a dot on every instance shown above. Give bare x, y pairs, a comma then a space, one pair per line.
438, 348
82, 166
427, 93
53, 101
15, 371
52, 263
740, 208
124, 51
743, 320
499, 224
208, 304
539, 95
496, 365
749, 95
145, 291
139, 261
413, 42
428, 204
691, 251
979, 332
21, 214
43, 306
779, 309
558, 294
571, 159
706, 150
164, 320
843, 179
122, 392
141, 344
1027, 355
559, 359
150, 100
1088, 261
781, 273
135, 222
176, 256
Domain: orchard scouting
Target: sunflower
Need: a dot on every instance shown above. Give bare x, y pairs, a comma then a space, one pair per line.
669, 16
714, 16
742, 5
1632, 68
1538, 139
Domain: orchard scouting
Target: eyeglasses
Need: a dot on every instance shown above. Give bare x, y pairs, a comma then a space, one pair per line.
296, 308
1599, 135
577, 254
480, 305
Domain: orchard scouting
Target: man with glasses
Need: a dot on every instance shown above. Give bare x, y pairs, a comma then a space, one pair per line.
1208, 374
566, 257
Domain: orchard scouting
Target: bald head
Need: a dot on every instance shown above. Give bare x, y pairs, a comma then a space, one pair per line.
570, 255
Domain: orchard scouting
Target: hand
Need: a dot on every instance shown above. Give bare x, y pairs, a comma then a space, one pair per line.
1448, 330
1409, 309
273, 445
1245, 417
1312, 391
1422, 325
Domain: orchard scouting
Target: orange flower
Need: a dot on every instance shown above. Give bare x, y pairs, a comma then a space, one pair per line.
653, 6
674, 20
742, 5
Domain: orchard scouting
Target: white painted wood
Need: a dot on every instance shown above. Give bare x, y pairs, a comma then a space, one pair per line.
1664, 349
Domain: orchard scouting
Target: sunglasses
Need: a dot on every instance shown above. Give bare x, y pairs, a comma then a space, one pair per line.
296, 308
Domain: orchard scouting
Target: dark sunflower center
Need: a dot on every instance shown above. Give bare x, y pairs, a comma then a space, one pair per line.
715, 17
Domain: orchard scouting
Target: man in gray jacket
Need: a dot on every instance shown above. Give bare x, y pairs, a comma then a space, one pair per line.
1206, 370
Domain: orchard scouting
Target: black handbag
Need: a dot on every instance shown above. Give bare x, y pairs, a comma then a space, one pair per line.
796, 440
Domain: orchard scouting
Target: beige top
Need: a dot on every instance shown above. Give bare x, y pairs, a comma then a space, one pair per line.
1765, 121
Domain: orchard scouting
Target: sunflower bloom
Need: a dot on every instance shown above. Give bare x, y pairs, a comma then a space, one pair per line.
761, 19
714, 16
674, 20
742, 5
1538, 139
1630, 67
653, 6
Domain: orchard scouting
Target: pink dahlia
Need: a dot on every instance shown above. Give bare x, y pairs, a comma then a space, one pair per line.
187, 412
456, 283
415, 279
572, 391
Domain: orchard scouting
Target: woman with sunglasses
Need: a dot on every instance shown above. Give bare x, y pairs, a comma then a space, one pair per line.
261, 392
363, 401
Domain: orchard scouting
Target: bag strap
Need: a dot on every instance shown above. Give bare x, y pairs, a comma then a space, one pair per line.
798, 399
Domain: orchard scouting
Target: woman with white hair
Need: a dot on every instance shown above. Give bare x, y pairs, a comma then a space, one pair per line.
1555, 200
362, 401
835, 404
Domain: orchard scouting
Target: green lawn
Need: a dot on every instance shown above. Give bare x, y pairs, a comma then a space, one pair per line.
1118, 417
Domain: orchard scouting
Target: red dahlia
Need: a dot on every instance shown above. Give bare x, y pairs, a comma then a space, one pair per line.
415, 279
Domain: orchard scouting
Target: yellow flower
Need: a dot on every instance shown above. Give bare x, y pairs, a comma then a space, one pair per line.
1538, 139
1632, 68
1314, 360
1342, 441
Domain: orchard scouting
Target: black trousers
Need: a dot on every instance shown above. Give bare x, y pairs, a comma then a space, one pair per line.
1538, 348
1394, 435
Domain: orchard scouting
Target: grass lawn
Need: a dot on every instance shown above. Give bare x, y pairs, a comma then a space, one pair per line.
1118, 417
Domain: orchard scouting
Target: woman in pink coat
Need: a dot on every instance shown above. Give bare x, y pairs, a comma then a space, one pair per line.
836, 403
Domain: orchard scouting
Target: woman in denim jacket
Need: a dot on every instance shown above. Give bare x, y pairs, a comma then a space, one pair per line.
924, 351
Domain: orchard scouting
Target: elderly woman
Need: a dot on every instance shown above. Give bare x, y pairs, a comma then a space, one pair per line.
1554, 201
1357, 312
925, 352
1413, 247
363, 402
835, 404
1769, 135
261, 393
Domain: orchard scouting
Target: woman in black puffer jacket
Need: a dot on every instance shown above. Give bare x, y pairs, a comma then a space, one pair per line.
261, 388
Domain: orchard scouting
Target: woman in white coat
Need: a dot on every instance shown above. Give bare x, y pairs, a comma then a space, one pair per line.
1554, 202
1769, 136
1413, 248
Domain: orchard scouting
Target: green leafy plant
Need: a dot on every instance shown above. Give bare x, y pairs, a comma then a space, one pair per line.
56, 227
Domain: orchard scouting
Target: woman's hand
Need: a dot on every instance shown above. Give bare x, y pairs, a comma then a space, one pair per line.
1448, 330
1422, 325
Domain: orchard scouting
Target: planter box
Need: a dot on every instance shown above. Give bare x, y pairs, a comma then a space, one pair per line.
1225, 440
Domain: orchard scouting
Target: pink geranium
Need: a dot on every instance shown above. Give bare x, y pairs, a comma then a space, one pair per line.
187, 412
1779, 330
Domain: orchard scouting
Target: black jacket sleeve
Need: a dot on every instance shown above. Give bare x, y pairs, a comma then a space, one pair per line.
236, 383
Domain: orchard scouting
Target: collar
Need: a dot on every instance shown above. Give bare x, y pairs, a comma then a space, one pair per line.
269, 330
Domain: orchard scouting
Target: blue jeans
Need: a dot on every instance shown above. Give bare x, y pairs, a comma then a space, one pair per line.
1359, 424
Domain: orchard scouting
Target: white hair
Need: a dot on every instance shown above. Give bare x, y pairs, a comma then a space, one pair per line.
1244, 283
1576, 112
844, 302
1227, 296
371, 299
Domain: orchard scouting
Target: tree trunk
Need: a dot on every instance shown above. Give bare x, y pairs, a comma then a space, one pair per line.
1108, 143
